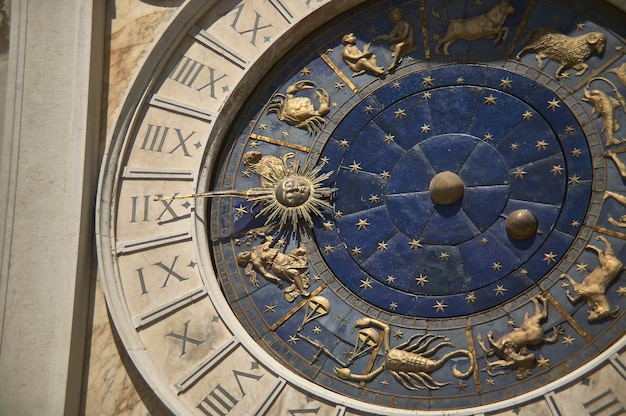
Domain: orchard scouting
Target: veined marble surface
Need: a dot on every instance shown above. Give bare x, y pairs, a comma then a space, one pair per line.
111, 385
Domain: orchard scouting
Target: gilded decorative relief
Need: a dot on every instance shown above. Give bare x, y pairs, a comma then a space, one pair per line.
359, 61
277, 267
300, 111
592, 290
569, 52
605, 106
401, 39
409, 362
512, 348
485, 26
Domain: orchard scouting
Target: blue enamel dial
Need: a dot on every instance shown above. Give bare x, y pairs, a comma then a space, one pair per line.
388, 267
417, 252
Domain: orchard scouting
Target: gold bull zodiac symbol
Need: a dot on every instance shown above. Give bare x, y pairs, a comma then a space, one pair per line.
409, 363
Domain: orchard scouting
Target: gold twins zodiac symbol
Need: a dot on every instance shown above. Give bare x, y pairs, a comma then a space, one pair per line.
401, 39
486, 26
570, 52
275, 266
592, 290
359, 61
512, 349
408, 363
300, 111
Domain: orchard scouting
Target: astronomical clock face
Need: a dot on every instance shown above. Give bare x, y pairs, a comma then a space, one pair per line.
415, 205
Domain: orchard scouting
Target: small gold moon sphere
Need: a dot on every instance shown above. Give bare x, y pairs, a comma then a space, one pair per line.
521, 224
446, 188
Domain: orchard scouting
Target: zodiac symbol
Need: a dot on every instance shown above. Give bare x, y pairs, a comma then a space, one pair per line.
570, 52
620, 72
408, 363
592, 289
317, 307
605, 105
299, 111
359, 61
512, 347
484, 26
276, 266
400, 39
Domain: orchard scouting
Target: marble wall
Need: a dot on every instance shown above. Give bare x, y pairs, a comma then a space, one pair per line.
111, 385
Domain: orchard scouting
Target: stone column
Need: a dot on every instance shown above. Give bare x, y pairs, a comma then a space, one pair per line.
48, 175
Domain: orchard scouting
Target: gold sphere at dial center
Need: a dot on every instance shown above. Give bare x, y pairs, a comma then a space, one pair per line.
446, 188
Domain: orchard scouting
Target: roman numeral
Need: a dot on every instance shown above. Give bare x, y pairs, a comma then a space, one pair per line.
294, 412
141, 206
604, 404
168, 208
184, 338
143, 214
170, 272
219, 402
156, 137
254, 30
188, 71
211, 83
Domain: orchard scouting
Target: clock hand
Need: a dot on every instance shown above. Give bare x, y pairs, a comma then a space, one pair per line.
249, 194
290, 194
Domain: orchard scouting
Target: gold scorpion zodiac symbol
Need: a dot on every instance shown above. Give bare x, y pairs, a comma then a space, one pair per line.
409, 363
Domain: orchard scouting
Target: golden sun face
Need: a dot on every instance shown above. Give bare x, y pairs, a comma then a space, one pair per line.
290, 194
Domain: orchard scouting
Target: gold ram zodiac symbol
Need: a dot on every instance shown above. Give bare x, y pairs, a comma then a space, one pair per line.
410, 364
